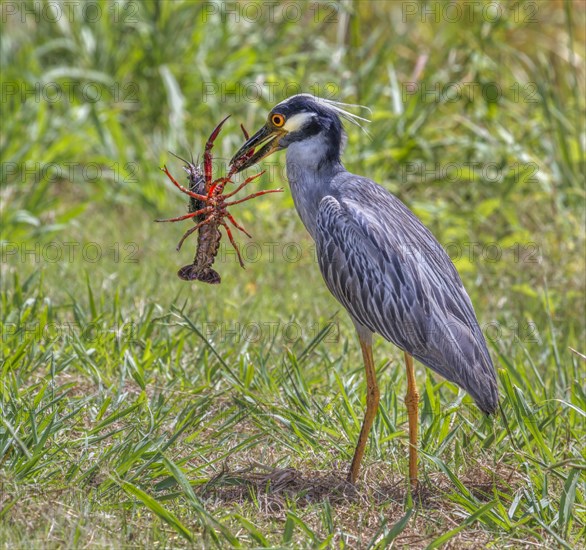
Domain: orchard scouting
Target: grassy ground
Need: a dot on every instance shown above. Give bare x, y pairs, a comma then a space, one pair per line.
139, 410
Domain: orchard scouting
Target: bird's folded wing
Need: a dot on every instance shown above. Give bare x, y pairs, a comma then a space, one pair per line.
394, 278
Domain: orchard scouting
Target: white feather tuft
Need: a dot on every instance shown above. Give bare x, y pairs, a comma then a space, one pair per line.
340, 109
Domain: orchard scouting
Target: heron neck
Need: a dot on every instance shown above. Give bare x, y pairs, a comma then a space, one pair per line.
310, 170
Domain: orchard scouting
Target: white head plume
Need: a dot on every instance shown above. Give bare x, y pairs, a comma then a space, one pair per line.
340, 109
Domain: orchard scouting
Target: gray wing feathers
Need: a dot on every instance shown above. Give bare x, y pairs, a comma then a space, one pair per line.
391, 274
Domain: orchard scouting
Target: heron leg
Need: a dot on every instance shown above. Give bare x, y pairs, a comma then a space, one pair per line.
412, 401
372, 399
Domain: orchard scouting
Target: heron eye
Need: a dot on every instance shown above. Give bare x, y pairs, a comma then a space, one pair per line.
278, 120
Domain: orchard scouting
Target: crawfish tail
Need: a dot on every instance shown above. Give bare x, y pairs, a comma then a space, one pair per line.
191, 273
208, 243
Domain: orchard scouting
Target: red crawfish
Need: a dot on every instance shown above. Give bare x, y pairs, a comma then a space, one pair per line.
208, 208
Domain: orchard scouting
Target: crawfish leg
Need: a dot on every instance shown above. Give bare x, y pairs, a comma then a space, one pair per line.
183, 189
187, 216
229, 233
254, 195
244, 184
237, 225
190, 231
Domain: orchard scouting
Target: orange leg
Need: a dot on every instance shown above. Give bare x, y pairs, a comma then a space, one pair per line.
229, 233
183, 189
243, 184
372, 400
258, 194
412, 401
237, 225
189, 232
187, 216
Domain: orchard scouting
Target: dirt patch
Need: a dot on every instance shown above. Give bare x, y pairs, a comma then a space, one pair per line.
273, 487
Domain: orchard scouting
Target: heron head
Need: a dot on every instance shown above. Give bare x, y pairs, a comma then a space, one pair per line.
298, 119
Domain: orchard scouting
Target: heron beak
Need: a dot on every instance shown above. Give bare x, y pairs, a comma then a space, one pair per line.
265, 140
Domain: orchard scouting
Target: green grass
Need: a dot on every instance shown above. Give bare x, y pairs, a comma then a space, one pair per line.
138, 410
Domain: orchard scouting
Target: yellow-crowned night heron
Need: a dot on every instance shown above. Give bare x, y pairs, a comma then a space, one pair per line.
380, 262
